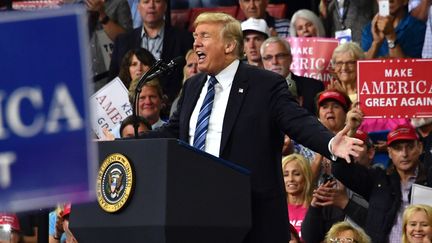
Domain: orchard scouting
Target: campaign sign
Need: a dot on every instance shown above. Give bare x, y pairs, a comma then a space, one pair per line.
110, 107
46, 154
395, 88
312, 56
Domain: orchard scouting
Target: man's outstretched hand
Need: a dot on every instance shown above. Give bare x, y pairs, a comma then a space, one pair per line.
344, 146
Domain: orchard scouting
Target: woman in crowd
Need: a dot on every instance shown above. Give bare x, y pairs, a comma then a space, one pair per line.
298, 185
344, 232
134, 64
344, 63
417, 224
305, 23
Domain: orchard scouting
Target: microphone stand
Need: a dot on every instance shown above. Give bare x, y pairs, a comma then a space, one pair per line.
141, 82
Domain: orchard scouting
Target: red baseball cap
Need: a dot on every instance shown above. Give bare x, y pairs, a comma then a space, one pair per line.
333, 95
364, 136
10, 219
402, 132
66, 209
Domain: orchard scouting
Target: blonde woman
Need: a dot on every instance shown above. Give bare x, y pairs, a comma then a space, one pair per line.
417, 224
345, 232
298, 185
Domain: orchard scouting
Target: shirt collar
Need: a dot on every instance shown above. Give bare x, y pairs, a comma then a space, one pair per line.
159, 34
226, 76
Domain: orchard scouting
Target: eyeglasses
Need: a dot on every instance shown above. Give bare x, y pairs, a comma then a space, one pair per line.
348, 63
343, 240
278, 57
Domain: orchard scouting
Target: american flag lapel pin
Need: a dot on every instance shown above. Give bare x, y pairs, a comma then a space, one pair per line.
240, 91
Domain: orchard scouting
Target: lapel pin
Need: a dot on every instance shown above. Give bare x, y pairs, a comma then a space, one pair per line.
240, 90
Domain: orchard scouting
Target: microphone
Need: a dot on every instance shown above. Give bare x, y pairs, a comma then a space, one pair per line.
167, 68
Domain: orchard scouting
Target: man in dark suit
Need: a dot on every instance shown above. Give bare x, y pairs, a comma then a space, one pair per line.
163, 41
251, 110
276, 55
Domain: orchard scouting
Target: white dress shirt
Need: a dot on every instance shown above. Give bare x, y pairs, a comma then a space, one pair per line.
222, 90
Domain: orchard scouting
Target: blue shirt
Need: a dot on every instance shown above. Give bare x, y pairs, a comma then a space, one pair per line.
410, 34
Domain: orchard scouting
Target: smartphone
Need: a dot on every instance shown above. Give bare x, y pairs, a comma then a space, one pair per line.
384, 8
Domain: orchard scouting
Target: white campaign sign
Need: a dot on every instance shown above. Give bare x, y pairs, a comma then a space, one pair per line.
110, 106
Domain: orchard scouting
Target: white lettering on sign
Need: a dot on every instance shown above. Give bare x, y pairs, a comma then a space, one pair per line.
62, 108
302, 51
6, 159
403, 72
396, 87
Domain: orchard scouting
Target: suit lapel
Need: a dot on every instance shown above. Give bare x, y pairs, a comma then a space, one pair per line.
235, 101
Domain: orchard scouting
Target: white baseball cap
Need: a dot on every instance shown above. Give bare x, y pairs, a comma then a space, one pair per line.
258, 25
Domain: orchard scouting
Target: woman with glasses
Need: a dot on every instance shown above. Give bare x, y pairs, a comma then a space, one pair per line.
344, 232
344, 62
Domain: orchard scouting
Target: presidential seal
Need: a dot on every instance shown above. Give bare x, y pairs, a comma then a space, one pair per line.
114, 183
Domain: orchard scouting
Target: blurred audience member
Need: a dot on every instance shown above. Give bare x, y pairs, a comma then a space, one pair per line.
190, 69
255, 31
127, 129
422, 10
150, 103
417, 224
344, 232
135, 63
107, 19
163, 41
257, 9
396, 35
9, 228
276, 55
388, 194
424, 130
298, 185
347, 15
62, 225
305, 23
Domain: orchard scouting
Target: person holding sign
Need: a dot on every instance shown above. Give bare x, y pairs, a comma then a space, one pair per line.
387, 193
393, 33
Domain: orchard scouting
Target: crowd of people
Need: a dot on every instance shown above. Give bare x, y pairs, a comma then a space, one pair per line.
313, 174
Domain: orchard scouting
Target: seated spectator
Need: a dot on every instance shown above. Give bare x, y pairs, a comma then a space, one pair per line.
387, 193
9, 228
135, 63
298, 185
396, 35
257, 9
342, 15
417, 224
127, 126
345, 232
305, 23
255, 31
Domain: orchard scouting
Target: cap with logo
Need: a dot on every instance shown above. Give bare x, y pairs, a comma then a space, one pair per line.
402, 132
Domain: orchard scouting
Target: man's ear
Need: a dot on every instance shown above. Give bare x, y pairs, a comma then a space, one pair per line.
230, 47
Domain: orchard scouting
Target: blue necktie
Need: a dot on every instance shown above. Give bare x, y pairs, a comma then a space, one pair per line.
204, 115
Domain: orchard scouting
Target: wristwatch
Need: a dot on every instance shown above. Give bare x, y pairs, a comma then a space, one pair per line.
391, 44
105, 20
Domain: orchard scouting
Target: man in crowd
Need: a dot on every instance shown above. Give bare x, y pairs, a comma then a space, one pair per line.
276, 55
163, 41
388, 194
257, 9
255, 31
219, 108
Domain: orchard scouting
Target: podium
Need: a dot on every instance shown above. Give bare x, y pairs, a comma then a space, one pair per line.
180, 195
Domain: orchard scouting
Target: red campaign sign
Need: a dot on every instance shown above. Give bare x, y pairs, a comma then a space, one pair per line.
312, 56
395, 88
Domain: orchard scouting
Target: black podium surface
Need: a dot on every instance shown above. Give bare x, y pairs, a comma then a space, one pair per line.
180, 195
